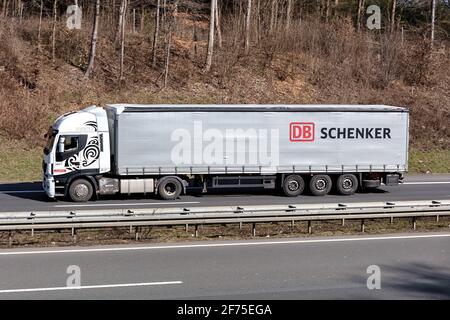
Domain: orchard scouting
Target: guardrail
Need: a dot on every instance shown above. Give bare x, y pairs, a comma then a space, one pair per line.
136, 218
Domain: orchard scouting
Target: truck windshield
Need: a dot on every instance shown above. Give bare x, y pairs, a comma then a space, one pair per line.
50, 135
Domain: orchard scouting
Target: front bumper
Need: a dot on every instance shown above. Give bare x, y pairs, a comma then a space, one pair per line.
48, 183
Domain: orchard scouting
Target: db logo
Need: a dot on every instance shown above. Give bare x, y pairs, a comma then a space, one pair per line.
301, 131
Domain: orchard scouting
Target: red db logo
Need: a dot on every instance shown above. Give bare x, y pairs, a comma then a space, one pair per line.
301, 131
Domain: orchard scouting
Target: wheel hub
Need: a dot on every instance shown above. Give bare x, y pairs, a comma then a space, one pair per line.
293, 185
321, 184
347, 184
81, 190
170, 188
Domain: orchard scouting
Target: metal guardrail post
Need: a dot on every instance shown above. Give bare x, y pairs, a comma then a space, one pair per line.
309, 227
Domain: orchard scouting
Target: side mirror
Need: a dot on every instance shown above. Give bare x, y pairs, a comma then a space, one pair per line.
61, 144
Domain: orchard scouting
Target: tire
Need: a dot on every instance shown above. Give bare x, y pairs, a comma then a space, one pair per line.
320, 185
347, 184
80, 190
293, 185
169, 188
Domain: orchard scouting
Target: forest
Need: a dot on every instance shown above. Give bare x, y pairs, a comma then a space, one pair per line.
63, 55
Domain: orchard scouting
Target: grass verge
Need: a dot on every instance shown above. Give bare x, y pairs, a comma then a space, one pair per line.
18, 162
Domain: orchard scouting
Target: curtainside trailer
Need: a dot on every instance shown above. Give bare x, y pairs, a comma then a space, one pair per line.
167, 149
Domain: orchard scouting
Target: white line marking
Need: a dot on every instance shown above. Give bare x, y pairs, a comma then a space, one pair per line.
232, 244
121, 204
93, 287
22, 191
428, 182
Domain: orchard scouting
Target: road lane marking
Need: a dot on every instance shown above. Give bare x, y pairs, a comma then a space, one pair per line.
232, 244
427, 182
121, 285
121, 204
405, 183
22, 191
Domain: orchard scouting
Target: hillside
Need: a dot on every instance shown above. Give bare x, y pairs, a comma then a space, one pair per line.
312, 61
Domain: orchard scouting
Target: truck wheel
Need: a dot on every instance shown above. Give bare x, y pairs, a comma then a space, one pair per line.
347, 184
320, 185
169, 189
81, 190
293, 185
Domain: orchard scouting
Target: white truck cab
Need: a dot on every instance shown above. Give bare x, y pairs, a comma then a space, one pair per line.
78, 145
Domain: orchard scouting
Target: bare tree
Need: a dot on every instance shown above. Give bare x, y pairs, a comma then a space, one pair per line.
93, 40
120, 22
172, 24
393, 7
217, 21
288, 14
209, 52
54, 30
40, 25
327, 10
272, 16
122, 41
360, 12
142, 17
247, 26
433, 18
156, 33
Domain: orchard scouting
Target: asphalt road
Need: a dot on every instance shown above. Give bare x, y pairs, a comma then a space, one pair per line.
412, 266
29, 196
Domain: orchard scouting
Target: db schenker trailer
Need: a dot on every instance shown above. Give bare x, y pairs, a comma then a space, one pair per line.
166, 149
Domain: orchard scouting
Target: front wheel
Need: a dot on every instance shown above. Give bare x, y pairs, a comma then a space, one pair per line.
169, 188
81, 191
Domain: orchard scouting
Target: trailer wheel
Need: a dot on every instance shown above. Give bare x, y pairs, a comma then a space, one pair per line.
347, 184
293, 185
169, 188
320, 184
81, 190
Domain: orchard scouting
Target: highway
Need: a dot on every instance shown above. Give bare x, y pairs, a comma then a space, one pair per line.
411, 266
30, 197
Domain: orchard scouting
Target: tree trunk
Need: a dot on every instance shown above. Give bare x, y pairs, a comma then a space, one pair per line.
336, 4
134, 20
288, 14
327, 10
40, 26
166, 68
217, 21
120, 22
433, 17
142, 17
247, 26
394, 5
156, 33
358, 18
54, 30
93, 40
122, 41
209, 52
272, 16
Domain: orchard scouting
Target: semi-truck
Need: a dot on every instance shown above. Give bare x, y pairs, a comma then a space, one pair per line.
165, 150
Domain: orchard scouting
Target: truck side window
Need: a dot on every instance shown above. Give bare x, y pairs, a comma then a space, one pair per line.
71, 144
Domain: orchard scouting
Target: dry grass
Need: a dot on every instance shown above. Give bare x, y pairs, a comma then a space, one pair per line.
87, 237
